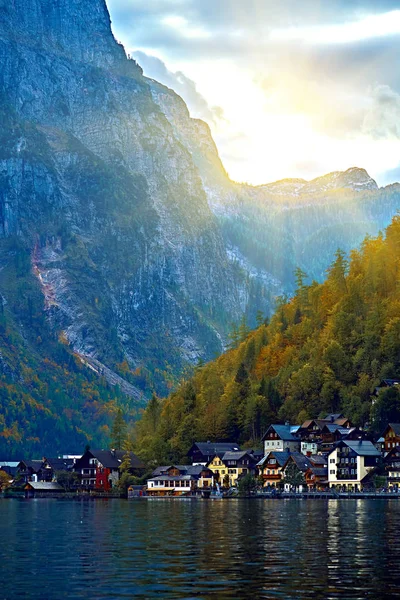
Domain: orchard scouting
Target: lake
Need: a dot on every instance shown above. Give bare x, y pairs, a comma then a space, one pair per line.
240, 549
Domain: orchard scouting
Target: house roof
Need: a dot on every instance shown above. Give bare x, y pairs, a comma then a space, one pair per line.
395, 427
60, 464
302, 462
362, 447
185, 469
334, 427
32, 464
280, 457
284, 432
318, 459
45, 486
171, 478
213, 448
112, 459
320, 471
236, 455
334, 417
341, 421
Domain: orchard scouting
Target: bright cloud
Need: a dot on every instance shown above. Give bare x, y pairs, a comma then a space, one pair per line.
289, 89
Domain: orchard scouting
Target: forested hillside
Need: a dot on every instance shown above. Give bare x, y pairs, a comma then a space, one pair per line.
325, 350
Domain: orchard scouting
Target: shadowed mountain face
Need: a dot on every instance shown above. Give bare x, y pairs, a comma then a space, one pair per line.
120, 232
104, 197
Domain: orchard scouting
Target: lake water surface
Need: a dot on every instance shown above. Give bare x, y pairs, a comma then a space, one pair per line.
106, 549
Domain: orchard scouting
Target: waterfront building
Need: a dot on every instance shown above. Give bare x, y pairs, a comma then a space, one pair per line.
178, 480
270, 467
28, 470
239, 464
99, 469
392, 467
50, 466
42, 489
351, 463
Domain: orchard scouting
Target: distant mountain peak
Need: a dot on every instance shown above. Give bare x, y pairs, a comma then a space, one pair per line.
354, 178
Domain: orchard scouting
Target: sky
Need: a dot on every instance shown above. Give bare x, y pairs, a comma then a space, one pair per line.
289, 88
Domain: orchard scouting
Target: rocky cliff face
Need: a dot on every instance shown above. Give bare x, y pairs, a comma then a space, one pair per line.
106, 196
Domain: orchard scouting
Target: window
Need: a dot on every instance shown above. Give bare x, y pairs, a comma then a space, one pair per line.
332, 471
332, 460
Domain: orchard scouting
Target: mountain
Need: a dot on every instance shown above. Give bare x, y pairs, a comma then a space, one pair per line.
270, 230
126, 253
324, 351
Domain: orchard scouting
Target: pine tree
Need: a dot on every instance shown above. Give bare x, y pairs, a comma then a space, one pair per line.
118, 430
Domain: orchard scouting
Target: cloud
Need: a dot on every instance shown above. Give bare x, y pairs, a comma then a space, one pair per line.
382, 121
332, 64
155, 68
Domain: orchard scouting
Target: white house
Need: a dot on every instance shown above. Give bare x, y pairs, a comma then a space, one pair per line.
349, 463
281, 438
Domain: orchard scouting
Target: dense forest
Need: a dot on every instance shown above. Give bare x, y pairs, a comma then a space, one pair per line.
324, 350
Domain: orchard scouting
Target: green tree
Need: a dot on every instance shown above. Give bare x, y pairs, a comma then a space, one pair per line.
386, 409
69, 480
247, 484
293, 476
118, 431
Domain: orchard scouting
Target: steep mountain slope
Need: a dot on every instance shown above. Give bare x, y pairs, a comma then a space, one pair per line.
105, 198
324, 351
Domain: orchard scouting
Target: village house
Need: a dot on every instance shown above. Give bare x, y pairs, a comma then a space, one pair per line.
392, 467
28, 470
201, 453
50, 466
300, 463
316, 475
281, 437
270, 467
99, 469
178, 480
391, 436
238, 464
351, 464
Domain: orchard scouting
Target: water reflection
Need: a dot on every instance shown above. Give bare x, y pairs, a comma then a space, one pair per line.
201, 549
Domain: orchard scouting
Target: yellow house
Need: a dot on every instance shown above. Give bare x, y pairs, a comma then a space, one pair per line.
234, 465
218, 468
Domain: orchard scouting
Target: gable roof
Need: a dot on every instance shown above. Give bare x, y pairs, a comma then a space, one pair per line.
112, 459
213, 448
320, 471
334, 417
301, 461
318, 459
60, 464
32, 464
280, 457
395, 427
284, 432
362, 447
237, 455
45, 486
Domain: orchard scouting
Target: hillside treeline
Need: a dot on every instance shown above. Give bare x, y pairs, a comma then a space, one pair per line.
325, 350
